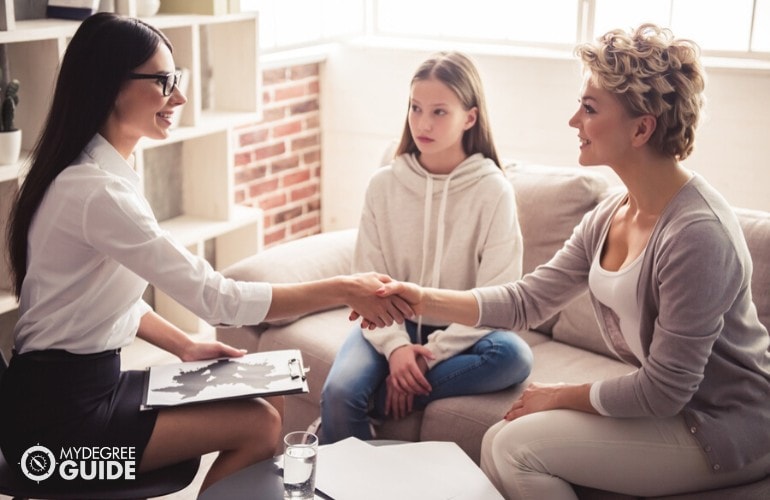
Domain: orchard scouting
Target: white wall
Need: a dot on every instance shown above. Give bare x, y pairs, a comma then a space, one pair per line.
364, 98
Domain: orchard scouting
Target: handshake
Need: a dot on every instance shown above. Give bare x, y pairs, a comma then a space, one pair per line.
378, 300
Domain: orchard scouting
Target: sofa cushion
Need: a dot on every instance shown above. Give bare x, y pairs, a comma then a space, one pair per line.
307, 259
756, 228
551, 202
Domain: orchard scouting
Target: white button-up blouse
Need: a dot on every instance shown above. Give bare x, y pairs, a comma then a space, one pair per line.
94, 245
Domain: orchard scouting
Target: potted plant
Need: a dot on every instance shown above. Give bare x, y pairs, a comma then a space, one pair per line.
10, 136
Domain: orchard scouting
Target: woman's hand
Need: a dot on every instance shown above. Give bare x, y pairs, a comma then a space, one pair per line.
450, 306
161, 333
409, 292
208, 350
542, 397
406, 298
376, 311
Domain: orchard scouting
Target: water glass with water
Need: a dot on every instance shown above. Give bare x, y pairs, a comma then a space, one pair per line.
299, 465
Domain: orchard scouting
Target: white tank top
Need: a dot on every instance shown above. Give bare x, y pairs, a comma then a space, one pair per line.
617, 290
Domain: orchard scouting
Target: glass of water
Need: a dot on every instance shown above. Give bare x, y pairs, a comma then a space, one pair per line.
299, 465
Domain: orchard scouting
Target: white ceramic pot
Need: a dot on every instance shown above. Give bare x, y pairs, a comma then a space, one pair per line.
10, 147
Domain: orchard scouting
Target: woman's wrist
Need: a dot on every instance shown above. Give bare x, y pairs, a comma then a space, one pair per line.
344, 289
574, 397
453, 306
184, 348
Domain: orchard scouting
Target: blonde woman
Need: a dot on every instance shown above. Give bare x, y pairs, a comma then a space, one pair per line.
669, 275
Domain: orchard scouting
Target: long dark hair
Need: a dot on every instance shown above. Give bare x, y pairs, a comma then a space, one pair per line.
457, 71
98, 60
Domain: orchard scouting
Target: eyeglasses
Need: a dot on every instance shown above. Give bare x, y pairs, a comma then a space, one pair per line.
169, 80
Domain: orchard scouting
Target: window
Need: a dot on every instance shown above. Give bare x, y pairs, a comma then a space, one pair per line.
737, 27
542, 21
290, 23
610, 14
715, 25
760, 35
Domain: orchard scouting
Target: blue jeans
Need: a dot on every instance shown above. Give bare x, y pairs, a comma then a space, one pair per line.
355, 388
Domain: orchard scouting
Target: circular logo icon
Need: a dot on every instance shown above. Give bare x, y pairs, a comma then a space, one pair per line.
38, 463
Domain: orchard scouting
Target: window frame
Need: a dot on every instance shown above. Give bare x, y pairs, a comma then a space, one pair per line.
584, 31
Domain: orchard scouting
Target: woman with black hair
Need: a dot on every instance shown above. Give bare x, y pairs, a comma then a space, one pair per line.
83, 245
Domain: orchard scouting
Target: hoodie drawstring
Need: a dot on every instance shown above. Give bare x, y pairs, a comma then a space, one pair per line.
427, 213
440, 226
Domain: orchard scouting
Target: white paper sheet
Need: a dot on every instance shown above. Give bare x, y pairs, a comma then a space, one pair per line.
430, 470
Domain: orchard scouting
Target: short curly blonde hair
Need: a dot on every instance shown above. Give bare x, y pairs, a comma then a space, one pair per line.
652, 73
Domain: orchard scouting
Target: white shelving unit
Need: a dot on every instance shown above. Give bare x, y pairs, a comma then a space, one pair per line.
220, 53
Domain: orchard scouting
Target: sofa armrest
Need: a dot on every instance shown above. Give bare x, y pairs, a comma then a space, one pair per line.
310, 258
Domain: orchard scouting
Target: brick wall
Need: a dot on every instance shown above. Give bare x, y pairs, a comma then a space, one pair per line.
278, 160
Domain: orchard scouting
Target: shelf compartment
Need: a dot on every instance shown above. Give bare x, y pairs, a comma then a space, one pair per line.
235, 83
36, 83
8, 192
188, 230
186, 43
192, 178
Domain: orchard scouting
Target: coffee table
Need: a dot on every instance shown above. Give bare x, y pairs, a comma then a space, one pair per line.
454, 476
261, 481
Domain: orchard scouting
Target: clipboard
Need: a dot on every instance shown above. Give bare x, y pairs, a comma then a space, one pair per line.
269, 373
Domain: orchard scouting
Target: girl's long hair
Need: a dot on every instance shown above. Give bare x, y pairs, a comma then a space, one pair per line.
458, 73
98, 60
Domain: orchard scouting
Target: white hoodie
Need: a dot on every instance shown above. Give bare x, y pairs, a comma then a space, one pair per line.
455, 231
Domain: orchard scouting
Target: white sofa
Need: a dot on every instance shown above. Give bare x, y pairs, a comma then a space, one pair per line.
567, 348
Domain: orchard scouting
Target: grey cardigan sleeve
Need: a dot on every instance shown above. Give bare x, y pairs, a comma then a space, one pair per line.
546, 290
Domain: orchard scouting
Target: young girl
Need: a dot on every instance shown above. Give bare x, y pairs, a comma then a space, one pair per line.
442, 214
83, 244
669, 275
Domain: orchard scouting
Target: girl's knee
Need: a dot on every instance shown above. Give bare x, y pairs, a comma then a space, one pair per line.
334, 393
333, 390
518, 348
344, 394
513, 357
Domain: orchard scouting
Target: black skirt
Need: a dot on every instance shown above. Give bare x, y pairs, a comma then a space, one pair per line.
62, 400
